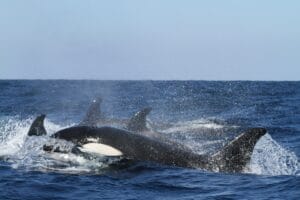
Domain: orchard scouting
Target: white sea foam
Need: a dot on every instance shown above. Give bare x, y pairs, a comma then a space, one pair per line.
27, 152
190, 126
12, 135
270, 158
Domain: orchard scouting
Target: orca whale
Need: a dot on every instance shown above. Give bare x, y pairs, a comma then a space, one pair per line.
94, 117
232, 158
137, 123
111, 142
135, 141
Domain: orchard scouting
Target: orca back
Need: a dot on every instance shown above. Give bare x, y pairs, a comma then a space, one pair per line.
236, 154
37, 127
93, 115
138, 121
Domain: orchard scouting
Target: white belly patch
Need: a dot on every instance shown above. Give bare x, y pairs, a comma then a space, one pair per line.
102, 149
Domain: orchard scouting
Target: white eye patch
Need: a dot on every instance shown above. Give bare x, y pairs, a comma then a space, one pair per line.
102, 149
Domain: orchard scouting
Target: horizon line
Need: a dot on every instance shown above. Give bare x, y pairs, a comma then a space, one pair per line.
92, 79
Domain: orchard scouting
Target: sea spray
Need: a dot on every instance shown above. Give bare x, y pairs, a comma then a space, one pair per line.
270, 158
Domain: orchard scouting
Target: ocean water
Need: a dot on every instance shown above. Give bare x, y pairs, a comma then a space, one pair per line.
203, 115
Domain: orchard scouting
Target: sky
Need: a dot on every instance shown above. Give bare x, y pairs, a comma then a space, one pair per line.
153, 40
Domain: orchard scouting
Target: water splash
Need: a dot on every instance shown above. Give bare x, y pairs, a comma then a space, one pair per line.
190, 126
12, 135
27, 152
270, 158
201, 135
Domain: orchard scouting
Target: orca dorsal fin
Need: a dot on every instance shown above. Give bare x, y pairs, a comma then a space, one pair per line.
37, 127
93, 113
138, 120
235, 155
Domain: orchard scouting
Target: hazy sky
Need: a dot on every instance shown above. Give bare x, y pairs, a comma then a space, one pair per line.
155, 39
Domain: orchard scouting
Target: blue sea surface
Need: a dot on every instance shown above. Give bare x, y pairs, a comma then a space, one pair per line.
203, 115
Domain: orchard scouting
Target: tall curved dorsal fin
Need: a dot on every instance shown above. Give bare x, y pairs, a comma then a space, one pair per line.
138, 121
37, 127
93, 113
235, 155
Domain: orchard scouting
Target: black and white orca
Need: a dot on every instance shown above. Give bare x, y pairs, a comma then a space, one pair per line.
110, 141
